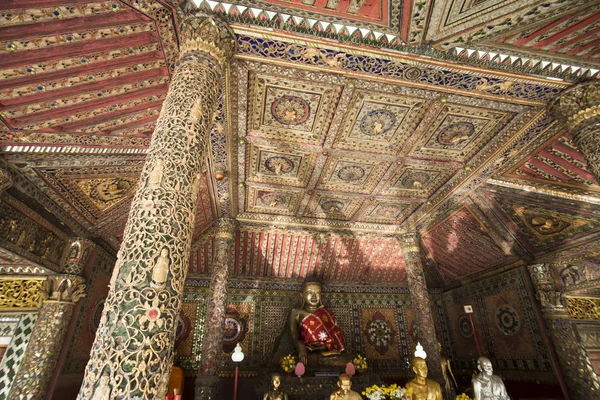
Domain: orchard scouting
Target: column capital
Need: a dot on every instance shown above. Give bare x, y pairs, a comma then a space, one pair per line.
203, 33
577, 105
551, 300
63, 288
226, 228
410, 242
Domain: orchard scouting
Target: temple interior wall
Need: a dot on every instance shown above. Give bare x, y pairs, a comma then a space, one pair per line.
506, 325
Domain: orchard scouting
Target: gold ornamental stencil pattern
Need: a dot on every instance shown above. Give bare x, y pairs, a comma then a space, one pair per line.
133, 350
19, 293
583, 307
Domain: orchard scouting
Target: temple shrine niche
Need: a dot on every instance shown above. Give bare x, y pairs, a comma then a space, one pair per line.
299, 199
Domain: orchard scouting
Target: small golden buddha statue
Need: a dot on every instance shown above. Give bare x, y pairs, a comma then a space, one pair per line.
344, 392
486, 385
421, 387
313, 328
276, 393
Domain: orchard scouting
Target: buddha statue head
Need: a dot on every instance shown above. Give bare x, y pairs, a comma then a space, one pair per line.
311, 294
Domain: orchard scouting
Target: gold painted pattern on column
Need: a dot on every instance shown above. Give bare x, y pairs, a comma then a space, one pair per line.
20, 293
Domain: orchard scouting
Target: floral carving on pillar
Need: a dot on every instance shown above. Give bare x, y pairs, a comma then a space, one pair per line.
420, 301
61, 293
212, 343
578, 108
134, 346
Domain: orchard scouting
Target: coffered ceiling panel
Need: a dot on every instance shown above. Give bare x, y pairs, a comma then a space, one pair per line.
332, 206
350, 174
418, 179
458, 132
284, 202
283, 165
379, 122
288, 110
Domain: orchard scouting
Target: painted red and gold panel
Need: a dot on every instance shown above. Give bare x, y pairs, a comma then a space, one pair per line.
290, 254
556, 163
373, 11
461, 246
575, 34
88, 67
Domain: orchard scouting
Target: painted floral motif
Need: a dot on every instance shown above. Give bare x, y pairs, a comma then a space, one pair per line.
377, 122
413, 179
507, 319
464, 327
279, 165
290, 110
388, 210
379, 333
332, 206
351, 173
456, 133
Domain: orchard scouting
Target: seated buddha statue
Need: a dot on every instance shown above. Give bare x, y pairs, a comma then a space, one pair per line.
314, 330
421, 387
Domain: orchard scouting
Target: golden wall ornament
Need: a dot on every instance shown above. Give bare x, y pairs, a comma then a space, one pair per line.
583, 307
134, 346
61, 292
20, 293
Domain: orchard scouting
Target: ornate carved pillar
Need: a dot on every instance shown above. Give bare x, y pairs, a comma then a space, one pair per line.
5, 179
578, 108
61, 292
578, 372
212, 342
420, 302
133, 350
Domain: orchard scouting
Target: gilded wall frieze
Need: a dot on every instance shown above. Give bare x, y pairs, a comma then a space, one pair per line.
583, 307
20, 293
383, 66
25, 233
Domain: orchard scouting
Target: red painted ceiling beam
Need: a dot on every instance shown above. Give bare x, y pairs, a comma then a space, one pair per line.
156, 105
87, 87
550, 170
19, 4
68, 25
581, 24
568, 166
580, 49
575, 40
76, 49
568, 151
91, 105
540, 31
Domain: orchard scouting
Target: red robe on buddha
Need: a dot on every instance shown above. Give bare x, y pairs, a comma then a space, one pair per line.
320, 328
